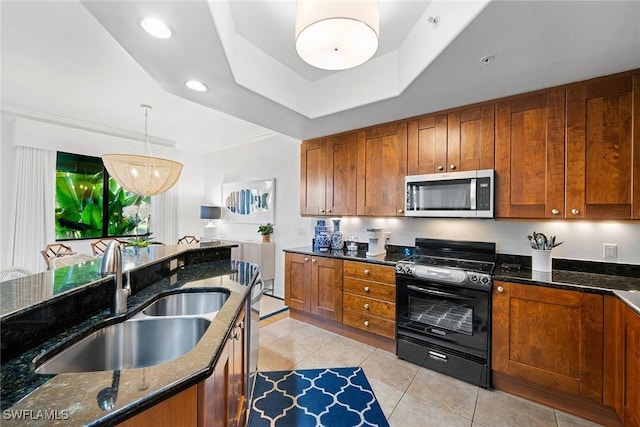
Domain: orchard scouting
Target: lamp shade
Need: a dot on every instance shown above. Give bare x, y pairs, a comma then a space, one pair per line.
336, 35
210, 212
142, 175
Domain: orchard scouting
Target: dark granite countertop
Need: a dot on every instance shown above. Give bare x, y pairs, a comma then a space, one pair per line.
73, 396
392, 256
622, 280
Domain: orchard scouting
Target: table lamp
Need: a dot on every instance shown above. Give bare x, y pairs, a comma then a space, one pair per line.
211, 213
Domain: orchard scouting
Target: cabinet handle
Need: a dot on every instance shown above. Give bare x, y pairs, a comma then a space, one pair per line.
555, 211
306, 259
400, 210
440, 167
452, 167
500, 289
366, 306
366, 289
321, 210
366, 323
366, 272
575, 211
314, 260
328, 210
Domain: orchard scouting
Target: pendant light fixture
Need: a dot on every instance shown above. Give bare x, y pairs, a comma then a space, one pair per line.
143, 175
337, 35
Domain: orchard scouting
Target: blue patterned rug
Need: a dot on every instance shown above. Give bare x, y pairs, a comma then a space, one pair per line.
336, 397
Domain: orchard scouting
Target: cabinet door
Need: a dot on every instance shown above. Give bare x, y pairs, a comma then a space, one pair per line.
312, 177
382, 166
326, 288
297, 270
341, 156
214, 393
427, 145
180, 409
238, 375
599, 149
632, 369
529, 156
470, 139
549, 337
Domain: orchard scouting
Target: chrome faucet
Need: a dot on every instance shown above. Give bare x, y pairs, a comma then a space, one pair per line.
112, 264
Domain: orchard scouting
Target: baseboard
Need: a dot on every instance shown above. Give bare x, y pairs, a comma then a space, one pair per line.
346, 331
578, 406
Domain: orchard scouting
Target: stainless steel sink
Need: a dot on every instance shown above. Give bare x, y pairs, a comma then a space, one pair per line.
135, 343
188, 304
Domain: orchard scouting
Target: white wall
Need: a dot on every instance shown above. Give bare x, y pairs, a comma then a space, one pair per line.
34, 133
275, 156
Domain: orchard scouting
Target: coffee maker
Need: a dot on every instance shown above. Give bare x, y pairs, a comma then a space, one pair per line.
376, 242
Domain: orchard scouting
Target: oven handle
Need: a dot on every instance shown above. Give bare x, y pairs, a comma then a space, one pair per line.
438, 293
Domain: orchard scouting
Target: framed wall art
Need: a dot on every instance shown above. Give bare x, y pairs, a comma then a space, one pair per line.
251, 202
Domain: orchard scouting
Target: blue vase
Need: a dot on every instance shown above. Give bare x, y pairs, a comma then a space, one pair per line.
322, 237
337, 242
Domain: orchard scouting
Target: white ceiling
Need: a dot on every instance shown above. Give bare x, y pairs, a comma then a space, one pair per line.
91, 62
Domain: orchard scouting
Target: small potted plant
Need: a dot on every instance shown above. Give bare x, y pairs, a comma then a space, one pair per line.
266, 230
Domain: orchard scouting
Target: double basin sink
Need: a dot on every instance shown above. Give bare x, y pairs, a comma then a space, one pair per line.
165, 330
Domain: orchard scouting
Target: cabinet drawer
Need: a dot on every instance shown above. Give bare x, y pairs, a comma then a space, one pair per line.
371, 306
369, 323
369, 289
377, 273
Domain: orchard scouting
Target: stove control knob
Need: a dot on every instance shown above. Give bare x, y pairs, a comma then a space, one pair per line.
399, 268
484, 279
473, 277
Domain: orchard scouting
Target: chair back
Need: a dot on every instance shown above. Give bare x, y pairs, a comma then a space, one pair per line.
55, 250
188, 239
99, 246
67, 260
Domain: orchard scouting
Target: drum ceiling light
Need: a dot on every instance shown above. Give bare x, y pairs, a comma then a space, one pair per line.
337, 35
143, 175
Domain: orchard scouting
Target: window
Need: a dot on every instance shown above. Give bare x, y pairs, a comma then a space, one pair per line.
82, 187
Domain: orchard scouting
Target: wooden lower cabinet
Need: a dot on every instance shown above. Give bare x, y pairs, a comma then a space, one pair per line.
632, 368
218, 401
550, 337
313, 284
369, 298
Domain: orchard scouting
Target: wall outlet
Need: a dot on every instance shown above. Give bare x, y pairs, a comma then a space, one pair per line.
610, 251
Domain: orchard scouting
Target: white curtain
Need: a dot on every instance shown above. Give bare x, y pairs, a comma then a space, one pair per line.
165, 216
33, 208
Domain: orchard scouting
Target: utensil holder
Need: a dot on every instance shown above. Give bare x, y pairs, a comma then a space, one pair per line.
541, 260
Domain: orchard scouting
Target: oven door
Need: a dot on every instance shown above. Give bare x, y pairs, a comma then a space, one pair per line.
445, 315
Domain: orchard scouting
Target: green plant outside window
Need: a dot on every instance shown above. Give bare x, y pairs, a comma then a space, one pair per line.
82, 186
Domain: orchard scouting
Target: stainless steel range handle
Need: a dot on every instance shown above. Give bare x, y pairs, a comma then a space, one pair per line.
438, 293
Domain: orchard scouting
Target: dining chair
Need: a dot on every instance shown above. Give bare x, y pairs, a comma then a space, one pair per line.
68, 260
10, 273
188, 239
99, 246
55, 250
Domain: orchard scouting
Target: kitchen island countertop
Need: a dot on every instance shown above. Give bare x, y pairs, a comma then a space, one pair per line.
72, 398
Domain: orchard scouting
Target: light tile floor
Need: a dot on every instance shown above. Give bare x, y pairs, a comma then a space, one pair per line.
408, 394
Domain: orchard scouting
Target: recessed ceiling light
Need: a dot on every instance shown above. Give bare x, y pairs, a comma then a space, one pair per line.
156, 28
196, 85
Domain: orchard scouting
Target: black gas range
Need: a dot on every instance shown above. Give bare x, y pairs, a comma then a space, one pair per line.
443, 307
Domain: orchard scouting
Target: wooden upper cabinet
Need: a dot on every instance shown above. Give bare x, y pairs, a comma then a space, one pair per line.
312, 177
529, 156
459, 141
328, 175
381, 168
600, 142
341, 156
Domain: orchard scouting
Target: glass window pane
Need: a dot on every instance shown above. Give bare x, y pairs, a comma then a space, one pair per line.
79, 181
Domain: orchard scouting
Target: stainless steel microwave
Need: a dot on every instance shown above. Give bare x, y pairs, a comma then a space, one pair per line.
450, 195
